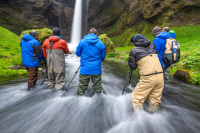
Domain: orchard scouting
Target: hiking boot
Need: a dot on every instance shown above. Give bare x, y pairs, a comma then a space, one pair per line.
152, 108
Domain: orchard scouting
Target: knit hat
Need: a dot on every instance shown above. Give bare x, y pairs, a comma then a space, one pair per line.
136, 38
156, 30
56, 31
33, 33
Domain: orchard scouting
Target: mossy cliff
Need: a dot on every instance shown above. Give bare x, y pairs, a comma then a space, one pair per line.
114, 17
20, 15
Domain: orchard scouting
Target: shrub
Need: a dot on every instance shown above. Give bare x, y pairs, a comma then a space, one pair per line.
112, 54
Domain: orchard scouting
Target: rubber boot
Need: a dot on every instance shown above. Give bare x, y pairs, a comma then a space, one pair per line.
153, 108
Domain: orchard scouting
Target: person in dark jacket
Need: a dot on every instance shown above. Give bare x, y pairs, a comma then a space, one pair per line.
144, 57
31, 56
92, 52
54, 49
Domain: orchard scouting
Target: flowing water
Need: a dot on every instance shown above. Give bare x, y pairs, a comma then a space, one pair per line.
45, 110
76, 26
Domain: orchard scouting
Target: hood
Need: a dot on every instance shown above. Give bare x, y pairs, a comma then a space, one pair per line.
27, 37
91, 38
163, 35
172, 35
54, 38
58, 36
142, 42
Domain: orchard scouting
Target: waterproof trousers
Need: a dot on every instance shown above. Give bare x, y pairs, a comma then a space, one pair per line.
84, 81
56, 68
32, 77
149, 86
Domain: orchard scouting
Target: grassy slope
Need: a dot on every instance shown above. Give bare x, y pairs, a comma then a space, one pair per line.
10, 54
187, 36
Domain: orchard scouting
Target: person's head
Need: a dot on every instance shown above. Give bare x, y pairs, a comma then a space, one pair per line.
56, 31
34, 34
166, 29
92, 30
156, 30
136, 38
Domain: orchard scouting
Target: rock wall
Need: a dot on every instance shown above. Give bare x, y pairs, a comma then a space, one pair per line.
141, 14
19, 15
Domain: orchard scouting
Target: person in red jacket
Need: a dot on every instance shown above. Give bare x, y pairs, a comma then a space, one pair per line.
54, 49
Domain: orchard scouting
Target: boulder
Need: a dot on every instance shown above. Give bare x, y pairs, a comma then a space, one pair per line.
43, 34
183, 75
15, 67
107, 42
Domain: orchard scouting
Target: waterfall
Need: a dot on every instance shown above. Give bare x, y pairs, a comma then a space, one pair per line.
76, 26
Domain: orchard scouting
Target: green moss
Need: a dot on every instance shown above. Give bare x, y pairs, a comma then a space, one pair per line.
10, 54
43, 34
107, 42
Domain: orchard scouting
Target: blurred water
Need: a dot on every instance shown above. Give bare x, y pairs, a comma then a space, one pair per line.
76, 26
45, 110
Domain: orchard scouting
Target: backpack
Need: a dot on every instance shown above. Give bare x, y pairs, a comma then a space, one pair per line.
172, 52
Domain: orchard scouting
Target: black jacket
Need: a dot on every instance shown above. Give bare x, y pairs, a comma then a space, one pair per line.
143, 47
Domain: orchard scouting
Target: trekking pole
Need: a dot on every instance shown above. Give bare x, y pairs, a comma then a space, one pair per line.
46, 76
126, 81
130, 77
73, 78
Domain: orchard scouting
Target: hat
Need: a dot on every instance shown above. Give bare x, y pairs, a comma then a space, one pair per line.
171, 31
56, 31
33, 33
136, 38
156, 30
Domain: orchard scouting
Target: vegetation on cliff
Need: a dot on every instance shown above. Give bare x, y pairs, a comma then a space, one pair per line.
10, 54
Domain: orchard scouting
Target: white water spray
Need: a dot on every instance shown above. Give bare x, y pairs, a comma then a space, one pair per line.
76, 26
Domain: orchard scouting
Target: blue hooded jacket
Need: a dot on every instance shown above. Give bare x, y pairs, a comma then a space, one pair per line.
160, 41
92, 51
172, 35
28, 51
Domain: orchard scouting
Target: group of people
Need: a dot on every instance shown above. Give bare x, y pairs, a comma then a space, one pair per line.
91, 50
146, 56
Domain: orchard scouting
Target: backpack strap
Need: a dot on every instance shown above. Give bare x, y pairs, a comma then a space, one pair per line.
51, 44
161, 59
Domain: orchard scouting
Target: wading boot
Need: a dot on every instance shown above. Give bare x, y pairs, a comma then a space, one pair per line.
153, 108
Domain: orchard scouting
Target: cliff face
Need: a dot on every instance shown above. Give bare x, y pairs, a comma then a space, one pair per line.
118, 15
18, 15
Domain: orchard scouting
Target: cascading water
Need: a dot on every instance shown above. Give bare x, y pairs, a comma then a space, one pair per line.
76, 26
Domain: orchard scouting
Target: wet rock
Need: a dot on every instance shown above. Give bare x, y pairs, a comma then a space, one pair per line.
119, 15
183, 75
15, 67
107, 42
19, 15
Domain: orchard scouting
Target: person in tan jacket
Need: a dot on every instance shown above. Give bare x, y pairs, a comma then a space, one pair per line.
144, 57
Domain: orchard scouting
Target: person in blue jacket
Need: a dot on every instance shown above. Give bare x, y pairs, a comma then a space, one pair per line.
160, 41
92, 52
31, 55
172, 34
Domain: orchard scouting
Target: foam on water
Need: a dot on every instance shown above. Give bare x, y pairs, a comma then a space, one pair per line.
46, 110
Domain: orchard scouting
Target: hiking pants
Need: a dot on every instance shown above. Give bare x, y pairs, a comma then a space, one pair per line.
32, 77
84, 81
149, 86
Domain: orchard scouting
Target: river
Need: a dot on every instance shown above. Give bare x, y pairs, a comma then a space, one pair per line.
45, 110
